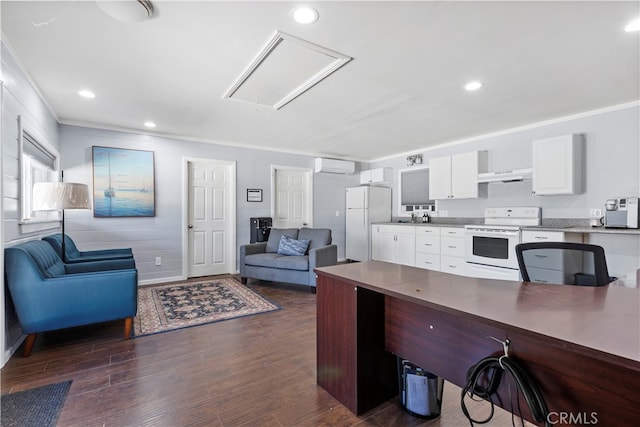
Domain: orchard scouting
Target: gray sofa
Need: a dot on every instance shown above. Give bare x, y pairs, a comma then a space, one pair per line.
262, 260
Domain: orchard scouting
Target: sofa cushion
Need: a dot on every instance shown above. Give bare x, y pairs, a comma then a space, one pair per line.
276, 234
285, 262
289, 246
317, 237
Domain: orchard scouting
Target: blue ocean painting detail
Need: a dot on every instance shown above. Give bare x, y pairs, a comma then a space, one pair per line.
123, 182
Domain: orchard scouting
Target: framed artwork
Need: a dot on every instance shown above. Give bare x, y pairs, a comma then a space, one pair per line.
254, 194
123, 183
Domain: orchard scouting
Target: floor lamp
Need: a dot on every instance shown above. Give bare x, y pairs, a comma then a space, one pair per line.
51, 196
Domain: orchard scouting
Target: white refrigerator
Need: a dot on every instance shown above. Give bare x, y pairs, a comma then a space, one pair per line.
365, 205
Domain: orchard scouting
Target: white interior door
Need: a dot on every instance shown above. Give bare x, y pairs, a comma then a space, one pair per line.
211, 218
292, 197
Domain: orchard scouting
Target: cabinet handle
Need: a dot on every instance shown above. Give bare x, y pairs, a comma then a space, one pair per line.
452, 232
541, 256
452, 247
541, 237
452, 266
428, 244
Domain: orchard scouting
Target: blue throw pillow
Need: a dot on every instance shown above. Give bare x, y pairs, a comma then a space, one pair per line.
290, 246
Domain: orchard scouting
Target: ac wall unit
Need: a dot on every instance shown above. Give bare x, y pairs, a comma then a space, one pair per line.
344, 167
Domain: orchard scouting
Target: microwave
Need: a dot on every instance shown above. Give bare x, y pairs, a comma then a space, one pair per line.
621, 213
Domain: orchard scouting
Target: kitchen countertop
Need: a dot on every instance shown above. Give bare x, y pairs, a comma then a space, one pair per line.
585, 230
423, 224
567, 227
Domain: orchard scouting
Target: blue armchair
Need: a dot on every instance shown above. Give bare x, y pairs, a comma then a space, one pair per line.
50, 295
74, 255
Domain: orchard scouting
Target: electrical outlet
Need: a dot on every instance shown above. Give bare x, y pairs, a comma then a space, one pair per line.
158, 260
595, 213
337, 213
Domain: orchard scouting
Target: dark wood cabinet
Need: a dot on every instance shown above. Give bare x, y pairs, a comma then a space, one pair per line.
351, 360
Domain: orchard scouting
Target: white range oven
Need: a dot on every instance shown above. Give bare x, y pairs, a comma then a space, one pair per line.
490, 249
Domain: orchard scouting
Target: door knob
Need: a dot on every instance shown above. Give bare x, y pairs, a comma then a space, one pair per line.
190, 226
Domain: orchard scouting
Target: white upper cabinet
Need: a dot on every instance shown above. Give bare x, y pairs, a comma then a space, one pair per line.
376, 176
440, 178
557, 165
456, 177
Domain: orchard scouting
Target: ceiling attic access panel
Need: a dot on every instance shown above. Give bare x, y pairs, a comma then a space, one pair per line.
283, 70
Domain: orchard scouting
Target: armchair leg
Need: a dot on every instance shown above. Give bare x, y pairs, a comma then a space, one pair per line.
28, 344
128, 322
243, 280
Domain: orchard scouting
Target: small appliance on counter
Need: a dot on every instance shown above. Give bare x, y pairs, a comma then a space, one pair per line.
260, 229
621, 213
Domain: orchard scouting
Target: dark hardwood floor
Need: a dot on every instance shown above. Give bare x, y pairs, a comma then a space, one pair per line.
252, 371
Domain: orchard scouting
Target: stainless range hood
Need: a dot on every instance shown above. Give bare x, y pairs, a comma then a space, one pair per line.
514, 175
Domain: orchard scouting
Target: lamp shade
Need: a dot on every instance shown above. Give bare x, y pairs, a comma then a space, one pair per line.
49, 196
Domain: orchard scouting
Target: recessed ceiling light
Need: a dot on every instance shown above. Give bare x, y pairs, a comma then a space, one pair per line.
633, 26
473, 86
86, 94
304, 15
127, 11
150, 124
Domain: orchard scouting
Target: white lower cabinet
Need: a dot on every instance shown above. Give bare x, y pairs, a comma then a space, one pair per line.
557, 267
424, 246
393, 243
428, 247
452, 250
453, 265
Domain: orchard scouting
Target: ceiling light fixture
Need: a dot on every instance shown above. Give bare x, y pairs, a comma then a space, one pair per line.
633, 26
304, 15
127, 11
86, 94
150, 124
471, 86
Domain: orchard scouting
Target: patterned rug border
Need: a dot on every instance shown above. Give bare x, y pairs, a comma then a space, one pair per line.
146, 293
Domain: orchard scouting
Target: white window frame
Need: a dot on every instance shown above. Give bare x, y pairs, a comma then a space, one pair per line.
33, 171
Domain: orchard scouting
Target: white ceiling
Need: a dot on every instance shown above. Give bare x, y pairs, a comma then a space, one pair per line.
402, 92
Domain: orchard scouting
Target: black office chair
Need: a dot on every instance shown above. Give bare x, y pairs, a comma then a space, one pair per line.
563, 263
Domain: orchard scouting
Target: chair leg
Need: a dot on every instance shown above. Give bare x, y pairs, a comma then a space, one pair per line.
128, 322
243, 280
28, 344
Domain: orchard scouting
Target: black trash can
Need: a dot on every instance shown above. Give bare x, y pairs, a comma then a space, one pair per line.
420, 391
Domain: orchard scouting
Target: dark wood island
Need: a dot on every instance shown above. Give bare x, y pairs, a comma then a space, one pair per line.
580, 344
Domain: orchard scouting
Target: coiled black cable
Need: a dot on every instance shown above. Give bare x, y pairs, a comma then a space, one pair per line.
491, 369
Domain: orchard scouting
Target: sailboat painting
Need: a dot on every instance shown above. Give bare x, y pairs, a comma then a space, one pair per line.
123, 182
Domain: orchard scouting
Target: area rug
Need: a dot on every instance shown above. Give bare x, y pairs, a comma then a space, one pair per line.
36, 407
181, 305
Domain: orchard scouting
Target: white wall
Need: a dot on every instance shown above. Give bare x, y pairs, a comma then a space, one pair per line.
19, 98
612, 158
611, 164
162, 234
